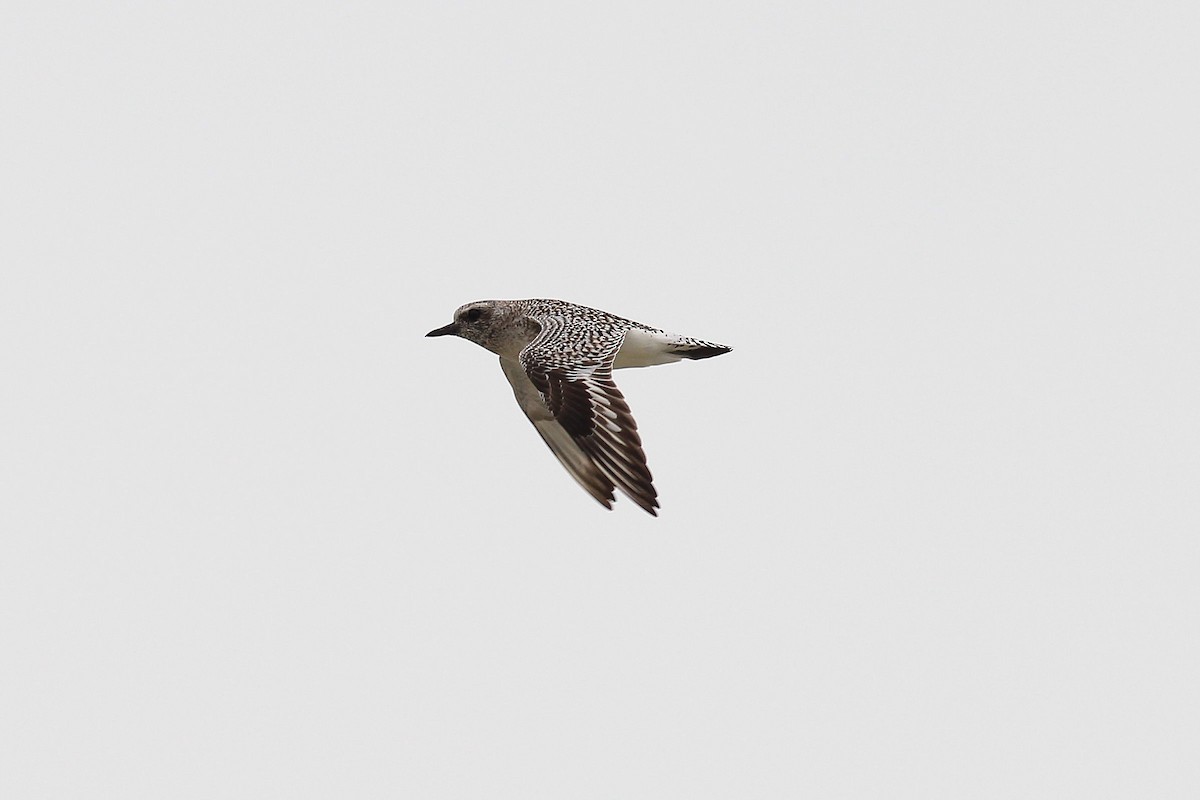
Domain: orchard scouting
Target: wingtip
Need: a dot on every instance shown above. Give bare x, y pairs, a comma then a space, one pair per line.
649, 505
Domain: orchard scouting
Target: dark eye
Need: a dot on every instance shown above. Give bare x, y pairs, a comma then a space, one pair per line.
473, 315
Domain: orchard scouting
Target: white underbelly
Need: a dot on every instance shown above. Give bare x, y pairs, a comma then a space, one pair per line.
645, 349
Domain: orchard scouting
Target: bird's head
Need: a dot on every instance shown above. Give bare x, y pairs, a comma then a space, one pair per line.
484, 322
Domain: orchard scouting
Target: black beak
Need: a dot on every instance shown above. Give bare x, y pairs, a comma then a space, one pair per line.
449, 330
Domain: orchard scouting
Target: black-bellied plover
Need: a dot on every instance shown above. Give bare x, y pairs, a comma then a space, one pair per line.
559, 358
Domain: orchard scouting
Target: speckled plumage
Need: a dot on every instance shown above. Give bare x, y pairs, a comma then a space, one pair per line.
559, 358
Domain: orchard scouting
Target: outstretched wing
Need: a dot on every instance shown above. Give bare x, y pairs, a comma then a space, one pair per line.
570, 369
577, 463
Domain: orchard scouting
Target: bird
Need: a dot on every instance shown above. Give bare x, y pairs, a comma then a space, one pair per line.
559, 358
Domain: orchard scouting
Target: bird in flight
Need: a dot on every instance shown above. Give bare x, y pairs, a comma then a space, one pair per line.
559, 358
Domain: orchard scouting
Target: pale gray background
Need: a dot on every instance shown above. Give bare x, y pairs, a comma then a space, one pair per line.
931, 531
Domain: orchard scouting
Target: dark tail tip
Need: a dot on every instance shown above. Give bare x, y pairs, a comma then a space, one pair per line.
707, 351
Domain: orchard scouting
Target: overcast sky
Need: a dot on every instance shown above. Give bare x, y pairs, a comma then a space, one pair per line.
930, 531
